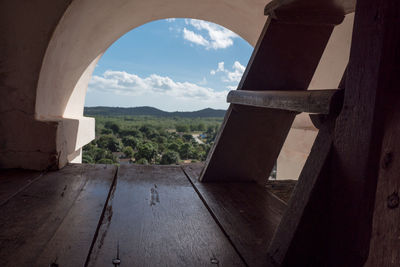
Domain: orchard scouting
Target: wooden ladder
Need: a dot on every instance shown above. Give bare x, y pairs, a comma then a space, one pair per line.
272, 92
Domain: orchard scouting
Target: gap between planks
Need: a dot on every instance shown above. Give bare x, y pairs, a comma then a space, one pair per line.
110, 194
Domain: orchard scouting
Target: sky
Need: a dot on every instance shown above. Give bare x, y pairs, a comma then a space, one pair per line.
172, 64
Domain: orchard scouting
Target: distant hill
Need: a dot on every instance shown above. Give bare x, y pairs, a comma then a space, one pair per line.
150, 111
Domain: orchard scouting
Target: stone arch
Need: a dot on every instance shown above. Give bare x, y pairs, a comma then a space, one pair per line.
89, 27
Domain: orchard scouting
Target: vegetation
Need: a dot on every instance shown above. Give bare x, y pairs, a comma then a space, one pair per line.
150, 139
150, 111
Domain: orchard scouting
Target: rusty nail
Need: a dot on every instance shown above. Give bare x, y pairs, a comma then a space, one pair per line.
393, 200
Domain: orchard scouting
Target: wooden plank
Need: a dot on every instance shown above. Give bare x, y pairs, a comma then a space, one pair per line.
54, 220
372, 74
285, 56
309, 11
312, 101
301, 215
157, 219
283, 189
70, 244
385, 244
251, 137
248, 213
14, 180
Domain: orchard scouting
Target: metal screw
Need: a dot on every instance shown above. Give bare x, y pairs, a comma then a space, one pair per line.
393, 200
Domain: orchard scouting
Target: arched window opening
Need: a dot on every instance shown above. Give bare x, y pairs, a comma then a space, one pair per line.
158, 94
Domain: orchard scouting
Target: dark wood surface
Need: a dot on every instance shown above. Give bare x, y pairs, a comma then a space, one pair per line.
250, 138
157, 219
249, 142
372, 84
248, 213
310, 101
309, 11
13, 180
385, 243
43, 216
70, 244
304, 207
156, 214
283, 189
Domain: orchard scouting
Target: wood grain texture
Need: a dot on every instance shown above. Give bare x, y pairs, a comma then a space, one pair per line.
248, 213
338, 230
158, 220
13, 180
312, 101
55, 215
385, 243
250, 140
70, 244
372, 75
305, 207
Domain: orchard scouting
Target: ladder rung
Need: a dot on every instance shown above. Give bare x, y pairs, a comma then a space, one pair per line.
306, 12
310, 101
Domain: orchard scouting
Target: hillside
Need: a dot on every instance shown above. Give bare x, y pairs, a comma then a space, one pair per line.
150, 111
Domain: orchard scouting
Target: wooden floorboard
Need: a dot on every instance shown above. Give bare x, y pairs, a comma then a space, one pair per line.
14, 180
54, 220
157, 219
248, 213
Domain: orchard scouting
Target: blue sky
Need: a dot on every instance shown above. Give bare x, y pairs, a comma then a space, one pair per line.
173, 64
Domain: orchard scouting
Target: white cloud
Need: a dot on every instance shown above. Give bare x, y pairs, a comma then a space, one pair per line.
123, 83
218, 37
194, 38
170, 20
230, 76
221, 68
236, 74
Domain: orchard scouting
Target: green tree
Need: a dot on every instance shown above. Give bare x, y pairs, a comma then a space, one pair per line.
130, 141
185, 151
174, 146
142, 161
188, 137
131, 132
147, 151
169, 157
109, 142
87, 158
105, 161
128, 152
147, 130
201, 127
182, 128
113, 126
106, 131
